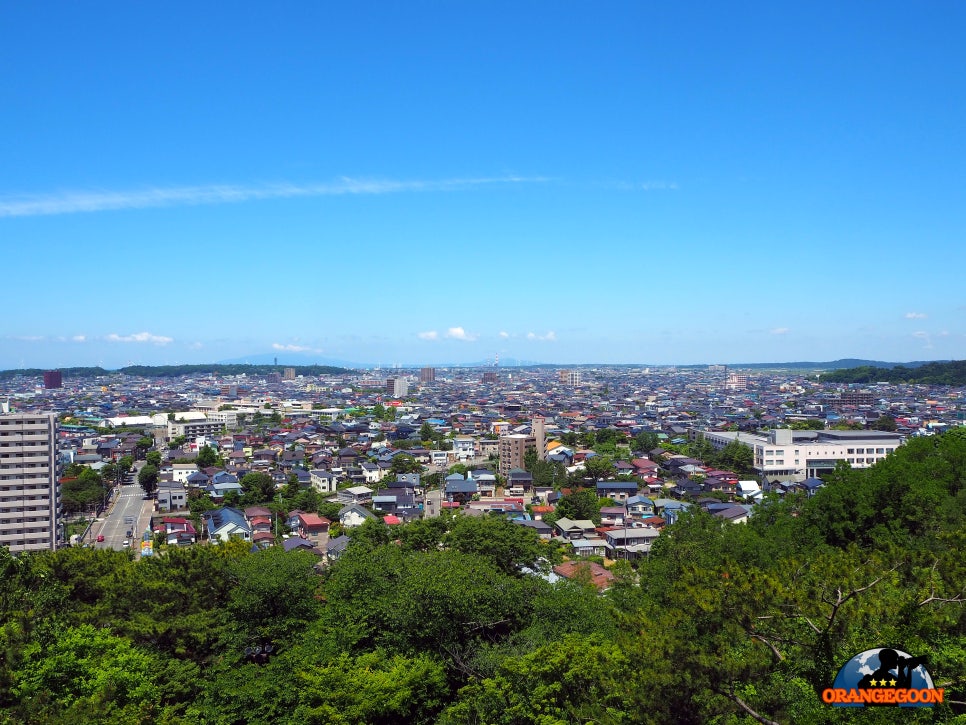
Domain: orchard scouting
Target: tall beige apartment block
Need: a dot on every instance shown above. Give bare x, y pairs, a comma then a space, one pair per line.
29, 496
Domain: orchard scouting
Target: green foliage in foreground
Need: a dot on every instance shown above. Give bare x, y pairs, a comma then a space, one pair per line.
443, 621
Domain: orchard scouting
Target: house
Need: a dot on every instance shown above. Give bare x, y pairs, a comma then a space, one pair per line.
353, 515
226, 523
485, 481
177, 531
457, 488
612, 515
591, 572
355, 494
314, 528
519, 482
812, 485
730, 512
748, 490
673, 509
181, 471
371, 473
571, 530
538, 512
616, 490
544, 531
218, 490
198, 479
630, 543
171, 496
296, 543
588, 547
323, 481
640, 506
336, 547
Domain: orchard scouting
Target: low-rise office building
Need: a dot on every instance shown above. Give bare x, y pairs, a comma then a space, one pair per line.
791, 455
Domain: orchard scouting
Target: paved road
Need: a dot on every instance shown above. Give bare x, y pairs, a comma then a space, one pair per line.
431, 503
129, 506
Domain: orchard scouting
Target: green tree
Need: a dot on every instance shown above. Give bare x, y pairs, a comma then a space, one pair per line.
88, 674
148, 478
258, 487
599, 468
207, 456
404, 463
884, 422
272, 596
509, 547
581, 504
154, 459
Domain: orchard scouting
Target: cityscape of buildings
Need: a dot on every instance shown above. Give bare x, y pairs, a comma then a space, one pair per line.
340, 434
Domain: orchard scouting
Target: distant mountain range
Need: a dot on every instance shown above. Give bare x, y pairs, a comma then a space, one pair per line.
315, 365
310, 359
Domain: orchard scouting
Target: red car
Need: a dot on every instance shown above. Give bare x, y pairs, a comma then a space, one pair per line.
100, 538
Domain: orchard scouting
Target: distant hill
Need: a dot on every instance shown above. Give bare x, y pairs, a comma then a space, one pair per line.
931, 373
832, 365
172, 371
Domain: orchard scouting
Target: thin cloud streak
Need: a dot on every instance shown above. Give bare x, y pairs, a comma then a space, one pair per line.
76, 202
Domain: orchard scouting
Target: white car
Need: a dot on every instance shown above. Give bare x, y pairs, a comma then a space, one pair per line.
127, 543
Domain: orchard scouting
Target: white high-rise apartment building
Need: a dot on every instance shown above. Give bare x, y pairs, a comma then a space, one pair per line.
29, 496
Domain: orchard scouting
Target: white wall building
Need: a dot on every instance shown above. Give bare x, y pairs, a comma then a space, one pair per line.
791, 455
29, 496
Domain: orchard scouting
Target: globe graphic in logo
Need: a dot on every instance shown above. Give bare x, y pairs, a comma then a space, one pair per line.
884, 667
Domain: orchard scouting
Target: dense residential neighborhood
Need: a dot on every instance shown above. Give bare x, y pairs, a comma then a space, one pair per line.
647, 443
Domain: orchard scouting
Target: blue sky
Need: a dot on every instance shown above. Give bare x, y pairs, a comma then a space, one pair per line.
434, 182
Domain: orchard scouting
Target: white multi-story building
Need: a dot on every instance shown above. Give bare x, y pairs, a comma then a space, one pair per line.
29, 497
791, 455
397, 387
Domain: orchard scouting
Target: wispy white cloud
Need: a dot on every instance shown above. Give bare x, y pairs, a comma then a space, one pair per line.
140, 337
916, 315
79, 338
925, 337
428, 335
292, 348
458, 333
549, 337
504, 335
73, 202
780, 331
27, 338
655, 185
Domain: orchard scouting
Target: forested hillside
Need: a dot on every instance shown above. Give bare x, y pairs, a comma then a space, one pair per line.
932, 373
447, 623
173, 371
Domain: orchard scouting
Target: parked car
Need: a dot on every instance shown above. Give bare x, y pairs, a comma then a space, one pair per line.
127, 543
100, 538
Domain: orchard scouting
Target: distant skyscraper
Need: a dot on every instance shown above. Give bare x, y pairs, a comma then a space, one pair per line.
288, 374
490, 377
29, 495
427, 375
397, 387
540, 436
53, 379
569, 377
736, 381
